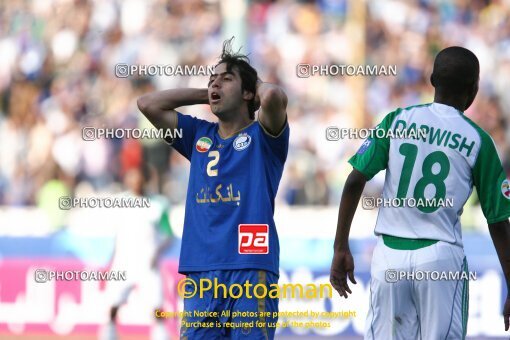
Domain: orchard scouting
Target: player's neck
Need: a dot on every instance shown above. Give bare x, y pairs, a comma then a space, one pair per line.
458, 102
229, 127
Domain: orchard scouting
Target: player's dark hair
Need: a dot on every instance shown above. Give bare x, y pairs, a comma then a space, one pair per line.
456, 70
247, 73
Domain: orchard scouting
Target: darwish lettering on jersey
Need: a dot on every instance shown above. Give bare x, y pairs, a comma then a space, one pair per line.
435, 136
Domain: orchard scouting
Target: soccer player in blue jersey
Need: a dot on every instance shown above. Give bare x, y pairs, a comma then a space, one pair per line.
236, 165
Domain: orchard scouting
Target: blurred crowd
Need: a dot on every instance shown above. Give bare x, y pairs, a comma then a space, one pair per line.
57, 76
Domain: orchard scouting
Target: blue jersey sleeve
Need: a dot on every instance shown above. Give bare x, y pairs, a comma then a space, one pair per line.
277, 145
189, 126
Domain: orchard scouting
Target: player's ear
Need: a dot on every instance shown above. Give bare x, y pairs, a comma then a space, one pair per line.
476, 87
247, 95
432, 80
472, 95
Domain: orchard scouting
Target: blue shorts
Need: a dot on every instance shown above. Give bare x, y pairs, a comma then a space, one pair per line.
237, 314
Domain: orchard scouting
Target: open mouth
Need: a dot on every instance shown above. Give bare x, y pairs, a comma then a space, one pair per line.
215, 97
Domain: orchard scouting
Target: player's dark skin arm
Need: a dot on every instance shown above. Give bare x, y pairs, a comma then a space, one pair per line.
159, 252
500, 234
159, 107
343, 263
273, 105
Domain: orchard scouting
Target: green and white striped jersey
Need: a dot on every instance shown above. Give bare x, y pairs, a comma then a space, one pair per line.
433, 156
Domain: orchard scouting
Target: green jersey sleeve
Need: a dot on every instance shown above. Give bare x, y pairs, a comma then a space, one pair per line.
373, 154
490, 181
164, 224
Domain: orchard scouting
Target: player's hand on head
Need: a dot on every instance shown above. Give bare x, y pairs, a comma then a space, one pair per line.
341, 268
506, 313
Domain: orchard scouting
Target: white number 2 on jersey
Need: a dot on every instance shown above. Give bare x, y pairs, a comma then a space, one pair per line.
215, 155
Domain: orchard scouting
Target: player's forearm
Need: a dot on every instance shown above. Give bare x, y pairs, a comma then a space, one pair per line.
273, 106
163, 246
350, 198
156, 102
500, 234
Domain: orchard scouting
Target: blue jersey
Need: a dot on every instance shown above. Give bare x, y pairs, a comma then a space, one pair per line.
228, 222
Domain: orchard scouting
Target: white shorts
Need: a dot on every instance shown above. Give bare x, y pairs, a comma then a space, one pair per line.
403, 306
148, 282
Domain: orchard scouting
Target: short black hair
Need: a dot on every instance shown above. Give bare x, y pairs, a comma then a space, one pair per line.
247, 73
456, 70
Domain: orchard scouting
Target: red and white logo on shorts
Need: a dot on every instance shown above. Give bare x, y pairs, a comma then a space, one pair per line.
253, 239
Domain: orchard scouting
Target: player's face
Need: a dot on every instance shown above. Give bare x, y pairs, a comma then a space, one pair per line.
226, 96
